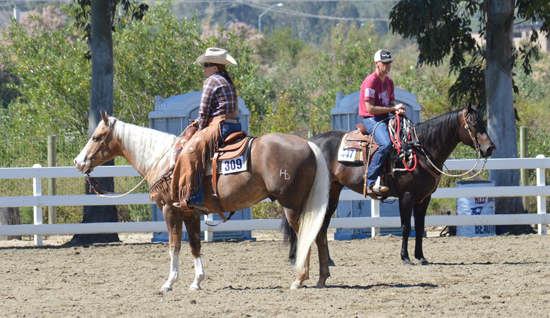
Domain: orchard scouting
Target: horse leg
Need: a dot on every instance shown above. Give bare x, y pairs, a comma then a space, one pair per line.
419, 221
289, 236
322, 247
193, 226
334, 198
322, 244
174, 223
294, 221
405, 212
293, 246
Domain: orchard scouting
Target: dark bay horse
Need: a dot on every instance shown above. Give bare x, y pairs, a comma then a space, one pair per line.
282, 167
438, 137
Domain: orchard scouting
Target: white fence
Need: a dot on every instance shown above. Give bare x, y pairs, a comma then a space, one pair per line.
541, 190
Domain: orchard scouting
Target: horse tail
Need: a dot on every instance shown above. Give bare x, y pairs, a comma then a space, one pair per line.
314, 210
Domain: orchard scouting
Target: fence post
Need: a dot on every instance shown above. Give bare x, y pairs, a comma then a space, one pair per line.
209, 235
37, 192
541, 200
52, 210
375, 213
524, 153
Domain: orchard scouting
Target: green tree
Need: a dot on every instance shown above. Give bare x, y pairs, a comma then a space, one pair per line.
54, 92
443, 28
341, 69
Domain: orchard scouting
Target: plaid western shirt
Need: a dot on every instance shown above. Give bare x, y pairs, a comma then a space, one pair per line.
218, 98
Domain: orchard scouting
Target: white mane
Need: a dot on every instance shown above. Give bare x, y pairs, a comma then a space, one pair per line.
146, 145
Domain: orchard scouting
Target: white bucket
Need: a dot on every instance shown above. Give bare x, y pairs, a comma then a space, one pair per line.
475, 206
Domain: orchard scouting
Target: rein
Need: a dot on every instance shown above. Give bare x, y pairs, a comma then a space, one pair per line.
102, 143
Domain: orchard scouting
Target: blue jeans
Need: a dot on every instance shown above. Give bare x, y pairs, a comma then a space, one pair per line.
382, 138
227, 129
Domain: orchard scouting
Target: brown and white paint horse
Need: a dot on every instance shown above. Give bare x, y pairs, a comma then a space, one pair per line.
282, 167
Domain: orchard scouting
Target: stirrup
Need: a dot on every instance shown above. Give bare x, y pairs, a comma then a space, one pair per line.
199, 207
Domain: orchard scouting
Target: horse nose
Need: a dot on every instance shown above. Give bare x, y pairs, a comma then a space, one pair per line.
490, 150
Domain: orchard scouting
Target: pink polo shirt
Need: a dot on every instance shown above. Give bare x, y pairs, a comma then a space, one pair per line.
374, 89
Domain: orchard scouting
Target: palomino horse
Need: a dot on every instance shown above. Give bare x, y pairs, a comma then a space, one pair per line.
438, 137
282, 167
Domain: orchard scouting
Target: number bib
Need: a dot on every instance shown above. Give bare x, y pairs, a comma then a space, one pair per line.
232, 165
348, 155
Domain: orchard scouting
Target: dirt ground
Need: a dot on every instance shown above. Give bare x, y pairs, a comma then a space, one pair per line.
469, 277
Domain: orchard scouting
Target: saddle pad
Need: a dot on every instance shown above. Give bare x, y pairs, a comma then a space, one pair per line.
238, 163
349, 155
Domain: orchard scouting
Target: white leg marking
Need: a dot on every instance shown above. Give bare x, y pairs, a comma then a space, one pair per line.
199, 274
174, 267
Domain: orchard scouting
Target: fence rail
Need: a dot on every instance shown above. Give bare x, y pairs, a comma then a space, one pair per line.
541, 190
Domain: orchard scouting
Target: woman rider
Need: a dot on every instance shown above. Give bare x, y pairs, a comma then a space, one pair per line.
218, 111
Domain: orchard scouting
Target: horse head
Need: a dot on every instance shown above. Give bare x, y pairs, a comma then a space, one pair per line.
101, 147
472, 131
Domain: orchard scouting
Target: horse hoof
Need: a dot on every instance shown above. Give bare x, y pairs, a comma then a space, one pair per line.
407, 262
165, 289
295, 287
195, 288
423, 261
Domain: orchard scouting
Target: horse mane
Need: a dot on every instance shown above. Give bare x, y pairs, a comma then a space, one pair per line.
441, 128
145, 144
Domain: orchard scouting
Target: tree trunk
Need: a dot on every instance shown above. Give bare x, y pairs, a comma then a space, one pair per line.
101, 100
9, 216
500, 101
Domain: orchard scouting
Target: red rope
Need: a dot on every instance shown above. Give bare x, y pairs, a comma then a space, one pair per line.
398, 145
396, 142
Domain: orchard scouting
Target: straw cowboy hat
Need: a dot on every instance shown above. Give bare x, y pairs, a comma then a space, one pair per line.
217, 56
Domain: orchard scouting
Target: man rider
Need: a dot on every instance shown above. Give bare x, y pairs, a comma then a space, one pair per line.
376, 102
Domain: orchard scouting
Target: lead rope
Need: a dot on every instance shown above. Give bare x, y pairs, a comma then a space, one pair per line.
454, 175
144, 178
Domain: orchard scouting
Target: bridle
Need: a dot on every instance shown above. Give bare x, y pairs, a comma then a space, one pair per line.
463, 123
101, 145
89, 163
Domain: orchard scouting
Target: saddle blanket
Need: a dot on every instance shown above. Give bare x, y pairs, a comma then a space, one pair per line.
238, 163
350, 154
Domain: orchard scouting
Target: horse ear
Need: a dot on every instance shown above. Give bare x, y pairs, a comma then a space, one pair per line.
105, 117
469, 107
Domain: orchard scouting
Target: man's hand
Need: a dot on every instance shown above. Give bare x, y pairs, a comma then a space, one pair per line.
399, 109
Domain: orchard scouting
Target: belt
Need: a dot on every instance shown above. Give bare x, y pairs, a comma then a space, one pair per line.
223, 117
232, 121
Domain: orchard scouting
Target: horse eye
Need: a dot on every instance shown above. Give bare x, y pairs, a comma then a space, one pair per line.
95, 139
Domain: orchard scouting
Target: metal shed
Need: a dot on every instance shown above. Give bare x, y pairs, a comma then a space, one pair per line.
345, 117
173, 115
